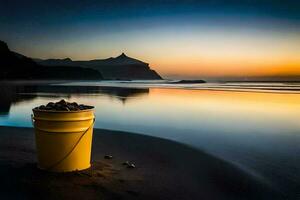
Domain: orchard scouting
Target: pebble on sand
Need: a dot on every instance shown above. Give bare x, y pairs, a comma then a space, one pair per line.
108, 156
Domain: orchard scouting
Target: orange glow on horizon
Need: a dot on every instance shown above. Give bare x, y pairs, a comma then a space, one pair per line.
199, 51
242, 65
286, 69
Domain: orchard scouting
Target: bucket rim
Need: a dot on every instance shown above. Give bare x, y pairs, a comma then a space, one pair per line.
64, 111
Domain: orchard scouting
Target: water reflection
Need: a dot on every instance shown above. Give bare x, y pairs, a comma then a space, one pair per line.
13, 93
10, 94
259, 132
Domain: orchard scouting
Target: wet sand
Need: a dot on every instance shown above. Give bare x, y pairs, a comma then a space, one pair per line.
164, 170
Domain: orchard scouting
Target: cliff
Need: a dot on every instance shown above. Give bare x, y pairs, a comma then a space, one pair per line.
16, 66
121, 67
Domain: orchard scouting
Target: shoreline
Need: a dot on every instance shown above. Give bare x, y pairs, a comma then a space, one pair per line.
135, 84
164, 170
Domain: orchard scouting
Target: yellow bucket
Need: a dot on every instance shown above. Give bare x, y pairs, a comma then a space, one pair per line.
63, 139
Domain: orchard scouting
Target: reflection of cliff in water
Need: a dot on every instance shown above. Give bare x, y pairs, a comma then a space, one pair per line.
9, 94
123, 94
17, 93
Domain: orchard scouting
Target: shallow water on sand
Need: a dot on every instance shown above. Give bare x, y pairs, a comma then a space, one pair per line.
252, 125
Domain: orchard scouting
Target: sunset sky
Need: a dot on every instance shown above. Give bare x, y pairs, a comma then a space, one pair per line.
186, 39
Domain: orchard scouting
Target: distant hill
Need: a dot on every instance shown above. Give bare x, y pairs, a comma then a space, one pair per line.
16, 66
121, 67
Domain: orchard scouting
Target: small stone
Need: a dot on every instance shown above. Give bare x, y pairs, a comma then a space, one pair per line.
57, 106
65, 108
48, 108
70, 106
74, 104
108, 157
50, 104
131, 166
62, 102
126, 163
88, 107
81, 107
42, 107
76, 109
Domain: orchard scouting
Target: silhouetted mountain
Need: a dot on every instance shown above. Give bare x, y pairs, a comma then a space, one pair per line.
14, 66
3, 47
17, 66
121, 67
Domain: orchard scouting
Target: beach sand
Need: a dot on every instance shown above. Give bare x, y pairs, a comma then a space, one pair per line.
164, 170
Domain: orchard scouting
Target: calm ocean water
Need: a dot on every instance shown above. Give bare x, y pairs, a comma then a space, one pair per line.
252, 125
